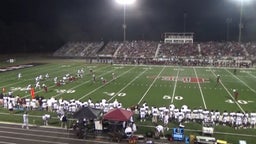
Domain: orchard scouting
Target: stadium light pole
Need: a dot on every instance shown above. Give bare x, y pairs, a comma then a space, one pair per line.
125, 3
241, 20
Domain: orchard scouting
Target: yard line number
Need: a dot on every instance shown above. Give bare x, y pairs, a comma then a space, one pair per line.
176, 97
113, 94
65, 91
244, 102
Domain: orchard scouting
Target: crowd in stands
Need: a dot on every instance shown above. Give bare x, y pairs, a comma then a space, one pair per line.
251, 49
79, 49
152, 52
110, 49
138, 49
173, 50
222, 49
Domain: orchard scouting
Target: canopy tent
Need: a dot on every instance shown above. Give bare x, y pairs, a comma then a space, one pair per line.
118, 114
88, 113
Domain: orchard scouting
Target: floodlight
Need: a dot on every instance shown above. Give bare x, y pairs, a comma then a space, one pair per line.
243, 0
125, 2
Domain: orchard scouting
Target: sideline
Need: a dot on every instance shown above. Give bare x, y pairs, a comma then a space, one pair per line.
147, 126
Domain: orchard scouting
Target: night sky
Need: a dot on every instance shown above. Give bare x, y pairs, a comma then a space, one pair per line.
45, 25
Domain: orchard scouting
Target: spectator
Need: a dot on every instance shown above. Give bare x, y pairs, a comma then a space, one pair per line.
25, 120
10, 106
134, 127
64, 121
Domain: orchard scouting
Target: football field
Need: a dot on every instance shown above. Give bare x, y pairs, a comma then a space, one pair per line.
159, 86
132, 84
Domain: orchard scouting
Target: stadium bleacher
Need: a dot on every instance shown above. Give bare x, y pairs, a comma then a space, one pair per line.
152, 52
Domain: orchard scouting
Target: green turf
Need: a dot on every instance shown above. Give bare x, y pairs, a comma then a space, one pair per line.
136, 84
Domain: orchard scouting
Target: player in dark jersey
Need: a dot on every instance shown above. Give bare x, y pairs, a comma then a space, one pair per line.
234, 72
218, 79
94, 78
235, 93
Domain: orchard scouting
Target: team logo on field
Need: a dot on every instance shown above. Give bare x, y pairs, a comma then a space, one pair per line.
182, 79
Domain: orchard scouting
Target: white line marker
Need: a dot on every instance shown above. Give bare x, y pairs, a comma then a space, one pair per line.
228, 92
175, 85
241, 81
200, 89
128, 84
103, 85
151, 85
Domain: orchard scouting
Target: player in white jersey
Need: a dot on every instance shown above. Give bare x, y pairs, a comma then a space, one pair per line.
40, 77
142, 114
38, 85
37, 79
166, 120
115, 103
55, 80
252, 120
180, 116
28, 88
113, 76
155, 115
19, 75
47, 76
94, 78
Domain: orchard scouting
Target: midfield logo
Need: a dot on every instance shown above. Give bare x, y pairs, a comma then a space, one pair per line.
182, 79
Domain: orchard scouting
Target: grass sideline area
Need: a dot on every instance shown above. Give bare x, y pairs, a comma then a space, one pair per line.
157, 85
221, 132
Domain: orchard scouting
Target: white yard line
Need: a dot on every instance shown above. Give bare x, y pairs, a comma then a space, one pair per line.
252, 75
241, 81
103, 85
151, 85
22, 79
228, 92
85, 83
175, 85
37, 91
200, 89
128, 84
30, 140
3, 142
